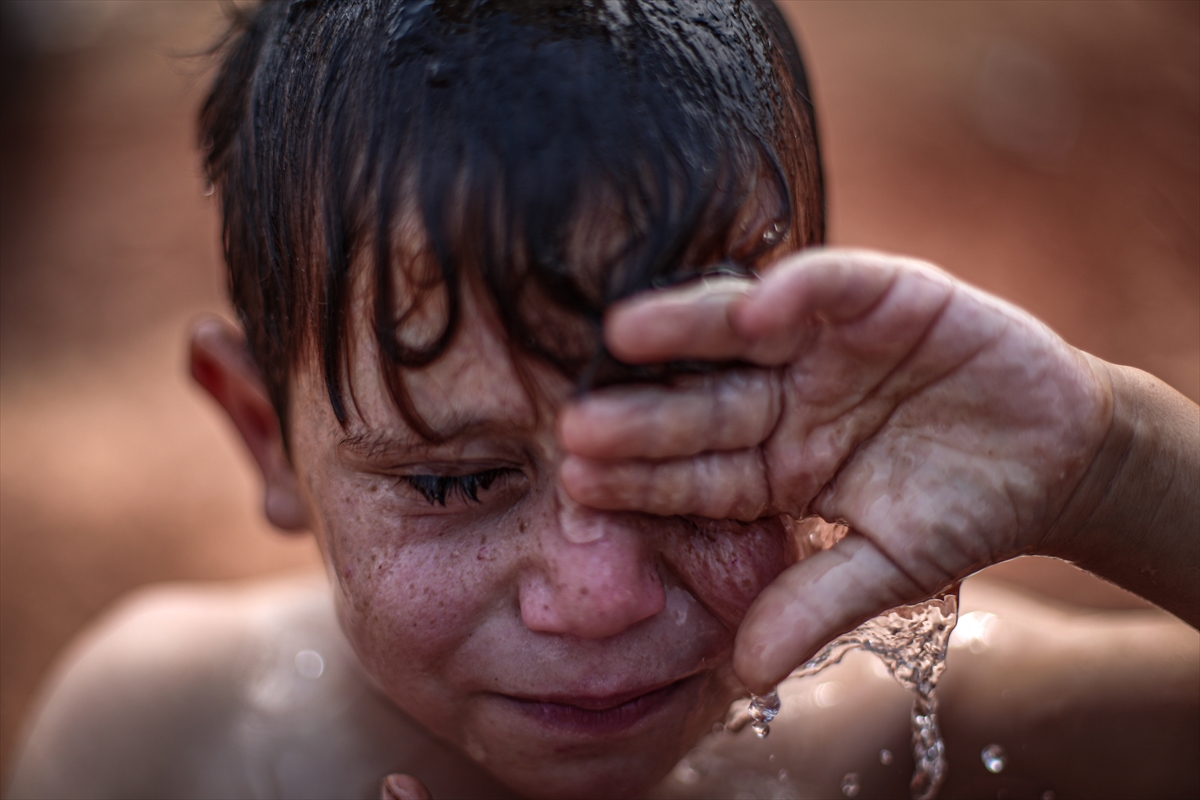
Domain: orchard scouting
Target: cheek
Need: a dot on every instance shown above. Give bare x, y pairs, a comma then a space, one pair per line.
409, 591
726, 564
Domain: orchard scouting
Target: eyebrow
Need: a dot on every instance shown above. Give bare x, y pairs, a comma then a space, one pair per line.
376, 445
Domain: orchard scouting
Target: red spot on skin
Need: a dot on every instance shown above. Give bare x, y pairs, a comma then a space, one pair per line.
348, 573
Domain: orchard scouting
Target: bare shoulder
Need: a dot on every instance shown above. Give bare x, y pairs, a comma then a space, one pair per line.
218, 691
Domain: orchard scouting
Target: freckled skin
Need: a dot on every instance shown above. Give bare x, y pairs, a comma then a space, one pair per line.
454, 609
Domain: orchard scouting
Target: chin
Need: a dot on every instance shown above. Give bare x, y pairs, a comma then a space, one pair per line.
623, 749
600, 775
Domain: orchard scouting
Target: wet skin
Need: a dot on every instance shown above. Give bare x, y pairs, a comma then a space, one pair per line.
949, 429
573, 628
571, 651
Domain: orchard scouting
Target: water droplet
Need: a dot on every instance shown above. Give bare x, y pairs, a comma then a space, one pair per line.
310, 664
773, 234
850, 784
763, 709
885, 757
771, 758
994, 758
783, 775
209, 188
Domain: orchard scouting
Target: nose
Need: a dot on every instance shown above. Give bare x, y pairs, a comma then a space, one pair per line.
596, 575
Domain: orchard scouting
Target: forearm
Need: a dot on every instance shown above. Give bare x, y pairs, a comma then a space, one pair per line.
1135, 518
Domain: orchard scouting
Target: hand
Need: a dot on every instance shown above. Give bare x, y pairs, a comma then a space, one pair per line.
947, 428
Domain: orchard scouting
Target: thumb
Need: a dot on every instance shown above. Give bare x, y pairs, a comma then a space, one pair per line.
403, 787
813, 602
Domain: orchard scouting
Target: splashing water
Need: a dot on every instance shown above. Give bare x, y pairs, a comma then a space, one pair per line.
762, 710
911, 641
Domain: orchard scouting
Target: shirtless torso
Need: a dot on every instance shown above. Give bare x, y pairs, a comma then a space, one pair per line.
251, 691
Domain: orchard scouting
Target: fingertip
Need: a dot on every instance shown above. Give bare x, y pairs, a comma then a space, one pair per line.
812, 603
403, 787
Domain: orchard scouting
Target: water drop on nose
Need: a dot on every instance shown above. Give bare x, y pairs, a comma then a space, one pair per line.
994, 758
885, 757
761, 729
850, 785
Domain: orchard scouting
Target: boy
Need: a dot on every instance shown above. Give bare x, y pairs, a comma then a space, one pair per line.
430, 210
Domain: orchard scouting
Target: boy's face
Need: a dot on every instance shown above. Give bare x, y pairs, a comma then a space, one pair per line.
570, 651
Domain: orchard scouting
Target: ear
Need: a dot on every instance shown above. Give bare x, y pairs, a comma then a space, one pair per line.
222, 365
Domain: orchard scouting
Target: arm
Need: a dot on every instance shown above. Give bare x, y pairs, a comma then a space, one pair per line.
1135, 518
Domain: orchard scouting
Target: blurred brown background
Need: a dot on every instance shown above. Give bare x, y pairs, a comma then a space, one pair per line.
1047, 152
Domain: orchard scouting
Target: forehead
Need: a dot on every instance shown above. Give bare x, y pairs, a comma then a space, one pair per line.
478, 385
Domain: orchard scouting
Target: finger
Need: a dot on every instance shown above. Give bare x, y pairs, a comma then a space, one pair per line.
403, 787
729, 485
813, 602
833, 285
691, 322
723, 411
836, 284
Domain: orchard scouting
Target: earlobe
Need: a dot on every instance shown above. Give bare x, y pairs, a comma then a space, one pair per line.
220, 363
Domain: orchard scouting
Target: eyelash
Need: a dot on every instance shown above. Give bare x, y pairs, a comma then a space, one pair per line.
436, 488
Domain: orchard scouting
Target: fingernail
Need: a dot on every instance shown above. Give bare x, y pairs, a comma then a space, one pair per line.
403, 787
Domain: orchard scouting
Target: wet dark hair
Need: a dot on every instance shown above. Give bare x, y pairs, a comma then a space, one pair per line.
558, 154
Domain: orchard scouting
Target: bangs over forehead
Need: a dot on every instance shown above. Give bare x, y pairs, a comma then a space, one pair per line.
559, 154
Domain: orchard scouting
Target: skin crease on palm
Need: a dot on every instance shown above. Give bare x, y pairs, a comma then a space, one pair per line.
945, 427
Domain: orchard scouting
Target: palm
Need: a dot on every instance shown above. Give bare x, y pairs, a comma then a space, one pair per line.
934, 425
947, 428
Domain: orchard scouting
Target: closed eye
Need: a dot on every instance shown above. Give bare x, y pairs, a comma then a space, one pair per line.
437, 488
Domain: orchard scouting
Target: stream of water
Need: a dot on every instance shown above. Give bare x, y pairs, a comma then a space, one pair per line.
912, 642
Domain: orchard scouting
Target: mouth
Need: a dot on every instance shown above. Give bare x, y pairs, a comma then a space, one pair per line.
589, 716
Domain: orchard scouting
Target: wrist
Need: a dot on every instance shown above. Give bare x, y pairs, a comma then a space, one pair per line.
1133, 516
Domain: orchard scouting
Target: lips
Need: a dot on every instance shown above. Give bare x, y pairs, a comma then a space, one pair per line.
594, 715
